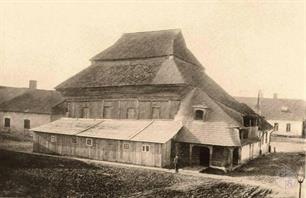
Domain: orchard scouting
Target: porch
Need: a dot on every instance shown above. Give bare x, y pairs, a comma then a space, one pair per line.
200, 156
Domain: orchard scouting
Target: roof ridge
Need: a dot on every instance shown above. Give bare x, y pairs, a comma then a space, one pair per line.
134, 135
176, 30
90, 127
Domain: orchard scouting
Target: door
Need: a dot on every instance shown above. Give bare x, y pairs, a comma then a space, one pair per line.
204, 156
236, 156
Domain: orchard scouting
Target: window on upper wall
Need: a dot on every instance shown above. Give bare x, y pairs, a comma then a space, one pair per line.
126, 146
288, 127
27, 124
131, 113
7, 122
107, 112
74, 140
155, 112
145, 148
53, 139
266, 137
199, 115
275, 127
89, 142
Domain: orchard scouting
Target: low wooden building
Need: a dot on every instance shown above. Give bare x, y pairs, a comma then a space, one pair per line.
146, 142
154, 100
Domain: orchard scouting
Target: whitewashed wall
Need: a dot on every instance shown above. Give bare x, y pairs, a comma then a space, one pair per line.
17, 120
251, 151
296, 127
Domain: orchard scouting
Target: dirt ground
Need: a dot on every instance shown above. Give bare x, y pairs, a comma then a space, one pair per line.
25, 174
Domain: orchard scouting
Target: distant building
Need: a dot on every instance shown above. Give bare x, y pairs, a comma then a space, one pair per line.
144, 100
287, 116
24, 108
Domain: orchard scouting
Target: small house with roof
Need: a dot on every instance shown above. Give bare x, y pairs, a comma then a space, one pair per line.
24, 108
287, 116
147, 98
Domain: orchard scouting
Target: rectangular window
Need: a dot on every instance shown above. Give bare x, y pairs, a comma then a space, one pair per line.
7, 122
74, 140
26, 124
266, 138
126, 146
288, 127
145, 148
275, 126
155, 112
89, 142
85, 112
53, 138
107, 112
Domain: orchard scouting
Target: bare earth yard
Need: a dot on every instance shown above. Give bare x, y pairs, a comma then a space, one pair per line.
25, 174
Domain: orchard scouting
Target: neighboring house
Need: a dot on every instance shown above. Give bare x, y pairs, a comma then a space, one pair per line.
287, 116
31, 108
147, 98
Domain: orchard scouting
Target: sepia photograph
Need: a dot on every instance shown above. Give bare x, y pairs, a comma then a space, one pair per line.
153, 98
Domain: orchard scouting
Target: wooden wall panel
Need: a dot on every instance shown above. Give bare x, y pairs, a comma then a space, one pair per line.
102, 149
143, 108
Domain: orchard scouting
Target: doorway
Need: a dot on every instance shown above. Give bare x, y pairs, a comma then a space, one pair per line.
236, 156
204, 156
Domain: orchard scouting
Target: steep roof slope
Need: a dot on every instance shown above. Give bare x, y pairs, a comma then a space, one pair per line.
33, 101
8, 93
278, 109
148, 45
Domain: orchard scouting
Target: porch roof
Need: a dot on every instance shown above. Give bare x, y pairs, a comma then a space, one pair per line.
210, 133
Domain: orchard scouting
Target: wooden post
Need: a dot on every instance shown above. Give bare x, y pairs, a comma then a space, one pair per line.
239, 155
190, 154
210, 155
231, 158
102, 109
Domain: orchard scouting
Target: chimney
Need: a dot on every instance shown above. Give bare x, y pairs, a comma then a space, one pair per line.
259, 100
33, 84
275, 96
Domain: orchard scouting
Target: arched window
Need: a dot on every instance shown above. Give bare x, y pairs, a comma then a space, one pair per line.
199, 115
131, 113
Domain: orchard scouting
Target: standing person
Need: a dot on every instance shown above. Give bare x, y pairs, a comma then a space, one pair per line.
175, 162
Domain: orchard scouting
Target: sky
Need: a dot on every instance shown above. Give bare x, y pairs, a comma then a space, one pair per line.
245, 46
